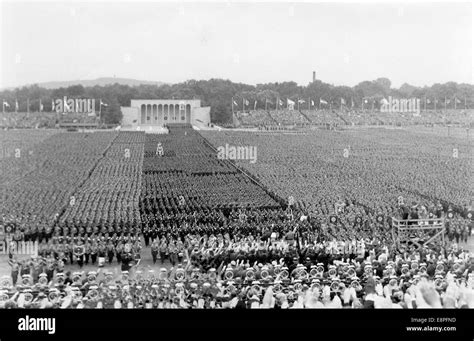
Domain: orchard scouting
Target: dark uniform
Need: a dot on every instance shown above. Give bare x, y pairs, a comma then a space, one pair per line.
154, 251
110, 252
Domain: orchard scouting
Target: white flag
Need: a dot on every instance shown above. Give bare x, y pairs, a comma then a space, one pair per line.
289, 102
104, 104
312, 102
301, 101
384, 101
5, 103
322, 101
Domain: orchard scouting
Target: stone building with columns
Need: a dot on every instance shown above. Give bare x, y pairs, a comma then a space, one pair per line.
148, 113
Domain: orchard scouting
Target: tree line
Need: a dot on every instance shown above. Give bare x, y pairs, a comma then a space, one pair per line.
219, 93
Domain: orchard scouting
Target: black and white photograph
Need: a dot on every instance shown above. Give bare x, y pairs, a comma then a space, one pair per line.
166, 164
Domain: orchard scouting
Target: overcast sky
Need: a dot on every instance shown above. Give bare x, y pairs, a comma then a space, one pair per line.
417, 43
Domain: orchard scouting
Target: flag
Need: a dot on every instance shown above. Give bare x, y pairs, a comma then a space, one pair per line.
457, 100
235, 103
384, 101
41, 106
246, 102
428, 101
352, 103
255, 106
343, 101
289, 102
301, 101
104, 104
16, 105
280, 102
312, 103
322, 101
5, 104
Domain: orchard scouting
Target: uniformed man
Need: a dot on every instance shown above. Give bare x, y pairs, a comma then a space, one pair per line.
119, 251
79, 252
146, 236
93, 251
87, 252
154, 250
15, 265
110, 252
101, 252
163, 250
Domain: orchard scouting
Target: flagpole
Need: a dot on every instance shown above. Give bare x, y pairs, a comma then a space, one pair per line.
425, 103
232, 105
435, 100
266, 101
298, 104
243, 104
444, 103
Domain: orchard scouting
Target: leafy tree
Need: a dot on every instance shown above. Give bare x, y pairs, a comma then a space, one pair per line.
218, 93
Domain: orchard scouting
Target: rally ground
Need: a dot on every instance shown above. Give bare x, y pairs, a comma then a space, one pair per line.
146, 263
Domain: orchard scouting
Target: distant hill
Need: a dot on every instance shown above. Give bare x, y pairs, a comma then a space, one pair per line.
99, 81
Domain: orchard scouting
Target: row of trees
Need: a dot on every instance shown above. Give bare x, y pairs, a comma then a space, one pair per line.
218, 94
